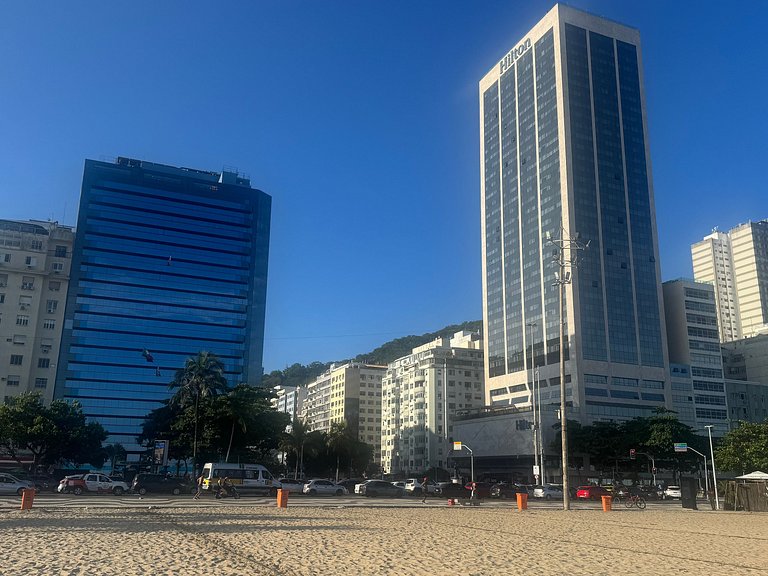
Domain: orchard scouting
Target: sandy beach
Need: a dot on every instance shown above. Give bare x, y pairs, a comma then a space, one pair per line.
403, 541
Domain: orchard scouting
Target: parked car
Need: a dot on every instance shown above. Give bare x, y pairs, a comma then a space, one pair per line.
650, 492
374, 488
451, 490
316, 487
482, 489
11, 485
591, 492
92, 482
399, 484
548, 492
413, 486
292, 485
673, 492
160, 484
351, 483
504, 490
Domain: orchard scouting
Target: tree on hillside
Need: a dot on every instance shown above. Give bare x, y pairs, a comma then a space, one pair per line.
50, 433
744, 449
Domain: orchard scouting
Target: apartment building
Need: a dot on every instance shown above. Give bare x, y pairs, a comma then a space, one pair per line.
35, 261
421, 395
736, 264
348, 393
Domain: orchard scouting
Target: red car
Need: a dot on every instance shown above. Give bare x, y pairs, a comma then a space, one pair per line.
591, 492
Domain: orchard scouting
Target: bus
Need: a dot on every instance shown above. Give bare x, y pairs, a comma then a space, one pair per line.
242, 476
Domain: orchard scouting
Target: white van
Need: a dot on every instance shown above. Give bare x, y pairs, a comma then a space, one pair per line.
243, 477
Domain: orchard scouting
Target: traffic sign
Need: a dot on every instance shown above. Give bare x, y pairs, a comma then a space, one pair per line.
681, 447
457, 445
535, 470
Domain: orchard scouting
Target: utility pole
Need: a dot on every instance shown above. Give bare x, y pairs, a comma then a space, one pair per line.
537, 470
565, 255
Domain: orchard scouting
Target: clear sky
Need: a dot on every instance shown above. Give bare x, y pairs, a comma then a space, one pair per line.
360, 118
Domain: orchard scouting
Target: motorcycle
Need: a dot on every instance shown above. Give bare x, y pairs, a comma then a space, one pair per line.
227, 491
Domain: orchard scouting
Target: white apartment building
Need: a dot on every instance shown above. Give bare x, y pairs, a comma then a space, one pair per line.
35, 259
289, 400
713, 264
736, 264
348, 393
421, 395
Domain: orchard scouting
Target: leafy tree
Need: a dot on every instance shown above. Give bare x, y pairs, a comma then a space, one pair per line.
115, 453
50, 433
744, 449
201, 378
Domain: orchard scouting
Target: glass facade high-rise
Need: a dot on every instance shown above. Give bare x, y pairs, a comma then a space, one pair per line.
167, 262
564, 148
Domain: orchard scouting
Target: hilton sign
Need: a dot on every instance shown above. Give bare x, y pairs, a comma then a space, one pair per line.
513, 55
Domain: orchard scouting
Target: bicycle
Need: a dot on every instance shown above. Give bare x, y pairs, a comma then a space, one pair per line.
635, 500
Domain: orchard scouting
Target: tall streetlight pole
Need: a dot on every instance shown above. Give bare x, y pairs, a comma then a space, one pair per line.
537, 470
566, 249
714, 474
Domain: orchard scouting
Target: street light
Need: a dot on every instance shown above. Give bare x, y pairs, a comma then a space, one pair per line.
714, 474
537, 470
566, 249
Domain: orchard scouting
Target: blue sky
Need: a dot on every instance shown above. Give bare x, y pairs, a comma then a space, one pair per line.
360, 118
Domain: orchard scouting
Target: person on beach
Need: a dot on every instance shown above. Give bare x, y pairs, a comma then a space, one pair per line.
199, 487
424, 484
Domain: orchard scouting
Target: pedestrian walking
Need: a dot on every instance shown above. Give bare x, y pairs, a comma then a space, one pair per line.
424, 484
199, 487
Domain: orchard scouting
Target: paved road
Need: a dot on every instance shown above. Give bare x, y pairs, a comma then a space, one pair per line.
52, 501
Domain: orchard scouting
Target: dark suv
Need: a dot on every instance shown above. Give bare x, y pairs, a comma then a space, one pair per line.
159, 484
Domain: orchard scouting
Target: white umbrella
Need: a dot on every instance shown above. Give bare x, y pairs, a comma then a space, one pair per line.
756, 475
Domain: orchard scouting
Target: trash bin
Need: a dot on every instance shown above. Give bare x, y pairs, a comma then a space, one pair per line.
688, 491
282, 498
522, 501
607, 500
27, 498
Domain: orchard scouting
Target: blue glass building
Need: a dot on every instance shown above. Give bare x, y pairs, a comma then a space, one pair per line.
564, 145
167, 262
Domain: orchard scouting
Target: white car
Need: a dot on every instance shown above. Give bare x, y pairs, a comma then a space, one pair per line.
315, 487
413, 486
291, 484
672, 492
548, 492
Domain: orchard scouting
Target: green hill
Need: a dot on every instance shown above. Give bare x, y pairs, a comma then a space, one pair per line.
299, 374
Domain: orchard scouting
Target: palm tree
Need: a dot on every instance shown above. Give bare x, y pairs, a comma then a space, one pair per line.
294, 441
240, 401
338, 441
201, 377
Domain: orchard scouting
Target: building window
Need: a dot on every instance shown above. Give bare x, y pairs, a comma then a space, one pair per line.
14, 380
51, 306
57, 267
6, 257
16, 359
43, 362
36, 245
54, 285
61, 252
22, 320
49, 323
41, 382
19, 339
2, 298
27, 283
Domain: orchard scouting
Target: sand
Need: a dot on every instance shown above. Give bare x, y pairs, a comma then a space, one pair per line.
404, 541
